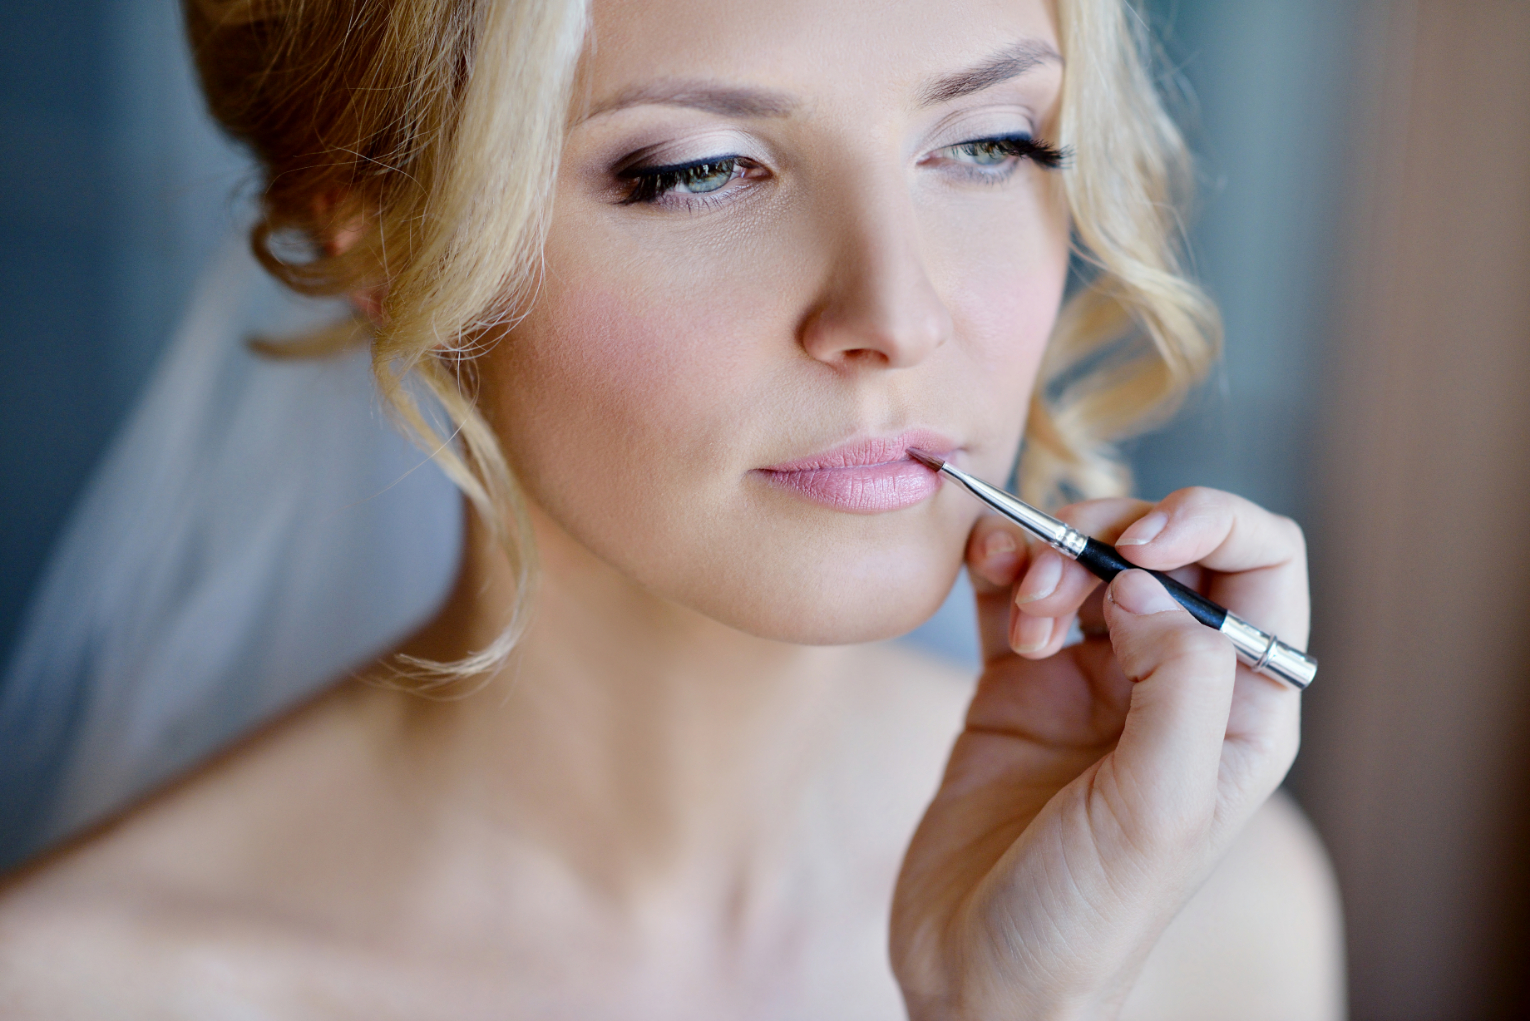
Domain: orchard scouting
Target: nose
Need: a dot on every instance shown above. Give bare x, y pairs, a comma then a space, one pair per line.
878, 304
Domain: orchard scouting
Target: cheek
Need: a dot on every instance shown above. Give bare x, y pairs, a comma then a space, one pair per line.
1003, 286
602, 375
620, 407
1006, 315
1001, 267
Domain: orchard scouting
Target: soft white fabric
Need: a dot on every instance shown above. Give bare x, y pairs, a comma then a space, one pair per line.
257, 529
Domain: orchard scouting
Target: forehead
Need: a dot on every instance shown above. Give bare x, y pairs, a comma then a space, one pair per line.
805, 47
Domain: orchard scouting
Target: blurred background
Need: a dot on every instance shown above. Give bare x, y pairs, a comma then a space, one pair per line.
1364, 223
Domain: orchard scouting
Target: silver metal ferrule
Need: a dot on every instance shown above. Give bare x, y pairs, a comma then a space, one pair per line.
1060, 535
1268, 655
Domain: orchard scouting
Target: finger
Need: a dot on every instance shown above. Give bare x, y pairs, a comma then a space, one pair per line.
1052, 585
1104, 519
1219, 530
1091, 616
1057, 587
1263, 732
1260, 557
996, 555
1168, 758
1033, 637
996, 552
1033, 634
1041, 637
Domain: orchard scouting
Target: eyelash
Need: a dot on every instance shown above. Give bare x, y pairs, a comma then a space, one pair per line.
651, 184
1044, 155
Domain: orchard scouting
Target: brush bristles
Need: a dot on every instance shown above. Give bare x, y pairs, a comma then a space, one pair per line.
929, 461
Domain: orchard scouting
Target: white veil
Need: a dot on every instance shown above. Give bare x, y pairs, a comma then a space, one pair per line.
257, 528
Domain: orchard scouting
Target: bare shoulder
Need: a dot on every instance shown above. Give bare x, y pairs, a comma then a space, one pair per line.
65, 956
1263, 939
153, 899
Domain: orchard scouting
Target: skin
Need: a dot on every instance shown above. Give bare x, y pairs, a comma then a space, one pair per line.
691, 792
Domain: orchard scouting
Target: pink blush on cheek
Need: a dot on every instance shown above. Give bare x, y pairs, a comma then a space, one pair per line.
1007, 324
617, 366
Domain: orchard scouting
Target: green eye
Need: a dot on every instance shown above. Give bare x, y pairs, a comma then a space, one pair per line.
704, 178
651, 184
984, 154
993, 152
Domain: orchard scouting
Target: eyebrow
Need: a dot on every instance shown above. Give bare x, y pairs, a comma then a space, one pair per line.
1010, 62
725, 100
739, 101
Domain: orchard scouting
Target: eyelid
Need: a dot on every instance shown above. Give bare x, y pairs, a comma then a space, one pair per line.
678, 152
1010, 136
981, 124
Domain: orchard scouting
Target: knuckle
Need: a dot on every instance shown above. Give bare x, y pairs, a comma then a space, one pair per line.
1292, 532
1276, 748
1176, 830
1197, 498
1199, 644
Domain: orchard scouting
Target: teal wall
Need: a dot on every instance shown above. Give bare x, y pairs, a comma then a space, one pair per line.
1271, 84
113, 191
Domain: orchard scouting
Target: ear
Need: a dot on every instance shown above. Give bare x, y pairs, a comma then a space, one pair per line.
341, 231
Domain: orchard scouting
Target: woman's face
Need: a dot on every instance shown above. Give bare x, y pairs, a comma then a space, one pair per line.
789, 241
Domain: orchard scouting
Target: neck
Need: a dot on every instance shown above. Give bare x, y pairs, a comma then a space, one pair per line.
650, 749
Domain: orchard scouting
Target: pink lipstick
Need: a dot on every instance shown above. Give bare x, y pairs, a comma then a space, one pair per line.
865, 476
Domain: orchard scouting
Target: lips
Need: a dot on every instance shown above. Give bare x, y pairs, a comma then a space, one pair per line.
871, 475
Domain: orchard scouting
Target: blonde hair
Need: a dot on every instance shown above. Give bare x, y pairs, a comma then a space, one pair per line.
394, 114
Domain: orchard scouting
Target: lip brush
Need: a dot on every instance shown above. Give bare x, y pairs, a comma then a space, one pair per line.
1259, 650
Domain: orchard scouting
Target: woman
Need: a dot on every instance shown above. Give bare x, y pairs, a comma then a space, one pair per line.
690, 279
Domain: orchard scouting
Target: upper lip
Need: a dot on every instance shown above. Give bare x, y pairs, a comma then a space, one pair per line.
869, 450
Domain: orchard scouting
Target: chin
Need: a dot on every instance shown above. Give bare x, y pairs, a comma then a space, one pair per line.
773, 565
834, 600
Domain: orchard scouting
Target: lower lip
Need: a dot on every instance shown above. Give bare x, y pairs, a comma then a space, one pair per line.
862, 488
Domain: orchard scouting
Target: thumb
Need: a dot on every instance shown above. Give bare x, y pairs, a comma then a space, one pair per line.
1183, 675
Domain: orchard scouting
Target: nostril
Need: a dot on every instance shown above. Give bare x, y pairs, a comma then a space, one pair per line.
865, 355
878, 307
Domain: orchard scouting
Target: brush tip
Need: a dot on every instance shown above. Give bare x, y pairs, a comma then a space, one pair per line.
930, 461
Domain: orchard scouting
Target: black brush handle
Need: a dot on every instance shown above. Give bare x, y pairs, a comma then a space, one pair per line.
1102, 559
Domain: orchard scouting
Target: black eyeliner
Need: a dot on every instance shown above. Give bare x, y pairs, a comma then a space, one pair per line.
650, 182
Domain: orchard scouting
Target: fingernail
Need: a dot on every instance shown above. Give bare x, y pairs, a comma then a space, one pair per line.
1000, 557
1144, 530
1030, 634
1041, 580
997, 544
1139, 592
